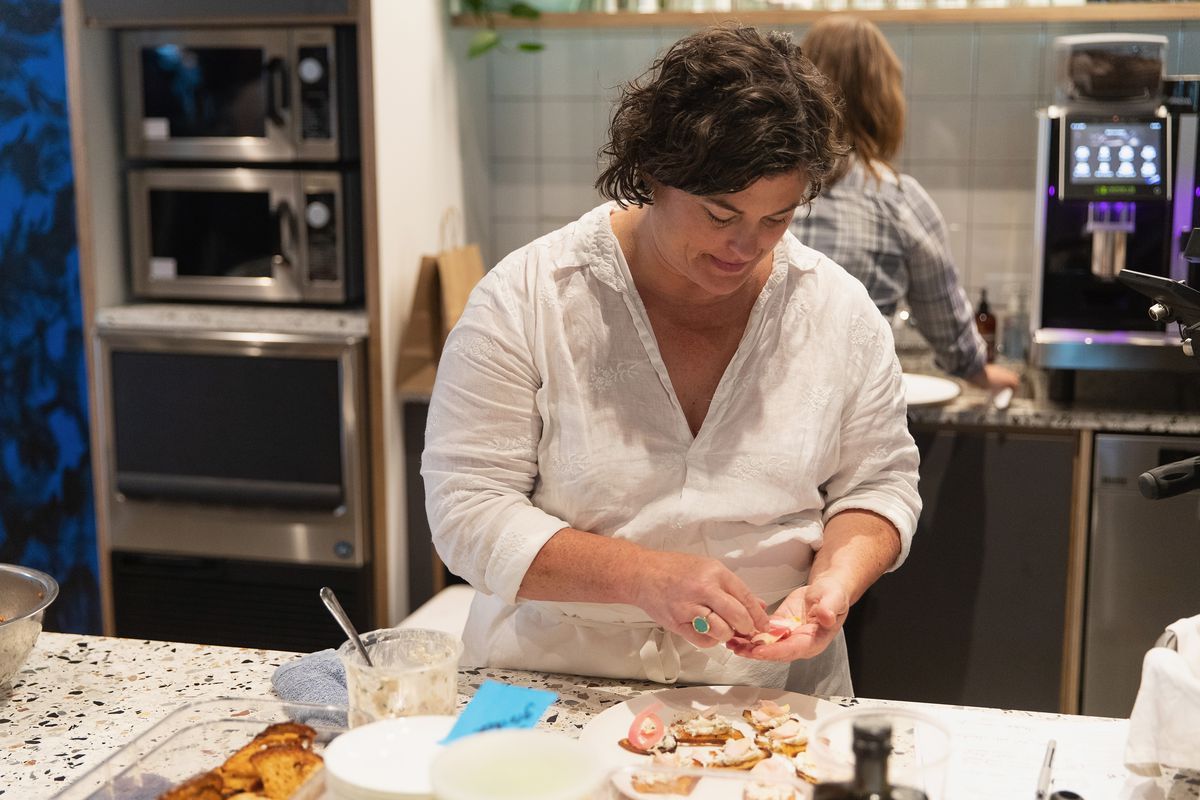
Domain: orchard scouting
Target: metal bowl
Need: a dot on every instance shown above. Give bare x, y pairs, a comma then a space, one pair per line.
24, 595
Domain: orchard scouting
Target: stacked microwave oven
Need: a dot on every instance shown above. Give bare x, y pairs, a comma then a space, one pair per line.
236, 451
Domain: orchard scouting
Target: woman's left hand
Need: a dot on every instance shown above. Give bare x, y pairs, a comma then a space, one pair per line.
823, 605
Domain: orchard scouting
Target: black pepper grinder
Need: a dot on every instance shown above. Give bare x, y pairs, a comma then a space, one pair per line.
872, 746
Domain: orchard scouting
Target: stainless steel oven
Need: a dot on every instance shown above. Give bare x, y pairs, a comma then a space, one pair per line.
233, 444
259, 94
257, 235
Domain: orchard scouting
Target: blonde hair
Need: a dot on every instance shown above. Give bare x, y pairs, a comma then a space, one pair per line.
853, 53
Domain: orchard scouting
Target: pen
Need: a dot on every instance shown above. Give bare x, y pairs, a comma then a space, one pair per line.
1043, 784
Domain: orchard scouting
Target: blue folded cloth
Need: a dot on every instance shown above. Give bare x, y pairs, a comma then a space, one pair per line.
315, 678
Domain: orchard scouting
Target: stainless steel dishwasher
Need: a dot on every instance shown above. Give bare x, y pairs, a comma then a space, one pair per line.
1143, 561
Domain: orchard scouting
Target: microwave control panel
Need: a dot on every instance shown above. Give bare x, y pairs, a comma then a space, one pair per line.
316, 94
322, 227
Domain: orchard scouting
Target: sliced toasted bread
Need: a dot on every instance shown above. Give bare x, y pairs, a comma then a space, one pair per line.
206, 786
704, 729
789, 738
663, 783
239, 773
284, 767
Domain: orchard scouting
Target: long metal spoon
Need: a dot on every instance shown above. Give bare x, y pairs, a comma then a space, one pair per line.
339, 614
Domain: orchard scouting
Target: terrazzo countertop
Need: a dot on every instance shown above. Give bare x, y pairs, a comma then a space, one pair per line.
78, 699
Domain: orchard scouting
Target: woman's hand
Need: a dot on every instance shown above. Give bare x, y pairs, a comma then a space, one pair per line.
823, 605
994, 377
675, 588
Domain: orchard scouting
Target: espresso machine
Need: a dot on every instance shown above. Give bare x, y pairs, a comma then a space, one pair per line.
1117, 190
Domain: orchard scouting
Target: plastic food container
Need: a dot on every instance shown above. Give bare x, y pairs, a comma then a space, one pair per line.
192, 739
414, 672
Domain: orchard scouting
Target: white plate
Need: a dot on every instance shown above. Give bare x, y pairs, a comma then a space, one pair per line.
606, 729
603, 733
389, 758
929, 390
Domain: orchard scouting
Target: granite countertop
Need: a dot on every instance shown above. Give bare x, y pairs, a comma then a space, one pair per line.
1117, 402
78, 699
973, 407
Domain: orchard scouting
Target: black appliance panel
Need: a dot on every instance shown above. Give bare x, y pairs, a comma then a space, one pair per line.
235, 420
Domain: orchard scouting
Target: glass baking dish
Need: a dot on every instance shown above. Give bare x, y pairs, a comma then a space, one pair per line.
192, 739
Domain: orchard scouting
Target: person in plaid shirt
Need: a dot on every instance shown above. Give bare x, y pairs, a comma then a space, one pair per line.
879, 225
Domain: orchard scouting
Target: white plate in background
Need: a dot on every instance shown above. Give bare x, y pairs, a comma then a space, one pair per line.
929, 390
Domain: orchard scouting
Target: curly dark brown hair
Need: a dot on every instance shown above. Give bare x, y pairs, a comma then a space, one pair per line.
724, 107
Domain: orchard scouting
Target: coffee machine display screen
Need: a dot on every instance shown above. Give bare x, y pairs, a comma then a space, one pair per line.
1115, 159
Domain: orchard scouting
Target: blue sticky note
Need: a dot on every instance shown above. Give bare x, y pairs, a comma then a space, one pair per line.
499, 705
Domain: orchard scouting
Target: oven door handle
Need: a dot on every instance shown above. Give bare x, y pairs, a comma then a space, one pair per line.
278, 91
286, 220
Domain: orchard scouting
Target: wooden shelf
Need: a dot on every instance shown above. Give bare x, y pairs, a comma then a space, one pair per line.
1091, 12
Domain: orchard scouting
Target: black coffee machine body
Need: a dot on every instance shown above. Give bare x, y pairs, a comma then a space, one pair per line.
1117, 189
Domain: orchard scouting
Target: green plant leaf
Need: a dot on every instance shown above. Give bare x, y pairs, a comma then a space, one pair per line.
481, 42
531, 47
523, 11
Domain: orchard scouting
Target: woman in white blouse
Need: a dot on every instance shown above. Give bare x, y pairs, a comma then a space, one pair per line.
659, 422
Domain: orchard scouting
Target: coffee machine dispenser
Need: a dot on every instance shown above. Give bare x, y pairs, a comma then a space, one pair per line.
1117, 189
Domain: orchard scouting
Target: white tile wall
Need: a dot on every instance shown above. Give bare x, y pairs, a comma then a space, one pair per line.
515, 129
1003, 193
516, 187
1010, 61
1189, 49
942, 61
1005, 129
570, 129
938, 129
972, 92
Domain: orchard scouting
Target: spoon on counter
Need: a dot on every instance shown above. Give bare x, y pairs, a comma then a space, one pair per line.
339, 615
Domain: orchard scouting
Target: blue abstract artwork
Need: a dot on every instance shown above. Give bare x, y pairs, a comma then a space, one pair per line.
47, 520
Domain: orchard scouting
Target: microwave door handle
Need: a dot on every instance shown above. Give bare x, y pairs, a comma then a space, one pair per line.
286, 219
278, 91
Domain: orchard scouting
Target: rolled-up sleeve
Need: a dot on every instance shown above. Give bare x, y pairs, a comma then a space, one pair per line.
878, 460
481, 441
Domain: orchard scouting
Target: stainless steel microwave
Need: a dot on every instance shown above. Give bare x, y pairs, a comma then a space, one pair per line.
243, 445
268, 94
255, 235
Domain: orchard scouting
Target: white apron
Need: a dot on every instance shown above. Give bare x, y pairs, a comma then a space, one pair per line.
618, 641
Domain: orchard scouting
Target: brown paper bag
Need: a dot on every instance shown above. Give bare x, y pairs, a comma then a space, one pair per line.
444, 283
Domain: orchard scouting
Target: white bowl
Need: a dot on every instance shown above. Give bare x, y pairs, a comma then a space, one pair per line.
385, 760
514, 764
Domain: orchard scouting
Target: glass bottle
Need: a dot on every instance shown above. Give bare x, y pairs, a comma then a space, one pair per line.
1014, 342
985, 323
872, 746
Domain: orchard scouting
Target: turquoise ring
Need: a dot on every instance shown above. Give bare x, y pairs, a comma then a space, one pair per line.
700, 624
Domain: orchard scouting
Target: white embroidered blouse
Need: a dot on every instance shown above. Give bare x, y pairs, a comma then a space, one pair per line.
553, 409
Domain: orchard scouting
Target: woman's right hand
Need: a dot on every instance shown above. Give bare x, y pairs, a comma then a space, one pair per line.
675, 588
